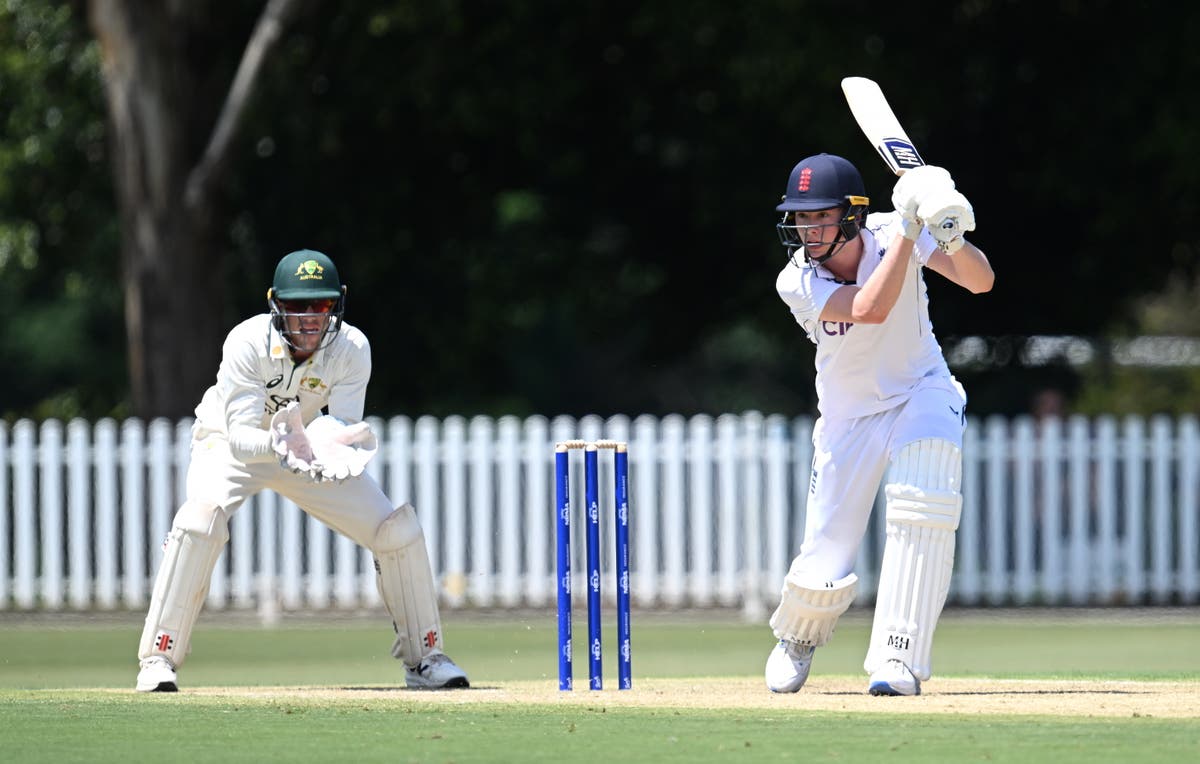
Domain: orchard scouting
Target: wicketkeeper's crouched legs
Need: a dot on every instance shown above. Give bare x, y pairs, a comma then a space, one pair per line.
406, 585
924, 504
198, 534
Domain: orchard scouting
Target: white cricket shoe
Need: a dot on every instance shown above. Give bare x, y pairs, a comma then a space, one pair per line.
894, 678
156, 675
788, 665
435, 672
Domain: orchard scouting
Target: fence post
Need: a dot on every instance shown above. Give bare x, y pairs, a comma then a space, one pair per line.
750, 466
5, 506
1023, 500
674, 521
698, 452
1185, 509
24, 516
509, 501
50, 514
1134, 453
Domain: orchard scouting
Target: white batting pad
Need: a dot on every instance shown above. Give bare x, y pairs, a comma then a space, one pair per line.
809, 610
924, 504
197, 536
406, 585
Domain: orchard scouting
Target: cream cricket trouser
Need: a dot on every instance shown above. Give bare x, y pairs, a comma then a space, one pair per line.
218, 484
850, 458
354, 507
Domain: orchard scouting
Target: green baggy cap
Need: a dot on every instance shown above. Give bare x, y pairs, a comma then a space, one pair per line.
306, 274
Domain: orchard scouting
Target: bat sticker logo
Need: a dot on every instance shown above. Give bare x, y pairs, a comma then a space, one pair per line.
903, 154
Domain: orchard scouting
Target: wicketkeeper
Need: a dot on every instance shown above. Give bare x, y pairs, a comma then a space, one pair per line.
887, 403
286, 414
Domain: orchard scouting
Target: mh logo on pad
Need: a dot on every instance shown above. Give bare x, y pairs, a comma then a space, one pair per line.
904, 155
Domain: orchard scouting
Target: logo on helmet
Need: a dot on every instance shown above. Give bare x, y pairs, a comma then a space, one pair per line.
310, 269
805, 179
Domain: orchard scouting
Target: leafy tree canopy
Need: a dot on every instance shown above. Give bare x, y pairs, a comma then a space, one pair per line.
569, 208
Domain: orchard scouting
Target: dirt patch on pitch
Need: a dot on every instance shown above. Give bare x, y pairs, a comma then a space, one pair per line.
947, 696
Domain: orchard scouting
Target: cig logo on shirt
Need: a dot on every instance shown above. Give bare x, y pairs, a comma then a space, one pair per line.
835, 328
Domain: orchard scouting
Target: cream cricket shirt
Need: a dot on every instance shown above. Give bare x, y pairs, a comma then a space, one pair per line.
863, 369
257, 377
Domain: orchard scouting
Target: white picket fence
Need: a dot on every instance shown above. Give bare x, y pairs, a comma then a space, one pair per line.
1082, 511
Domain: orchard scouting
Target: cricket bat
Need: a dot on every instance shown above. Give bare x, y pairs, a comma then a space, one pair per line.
879, 124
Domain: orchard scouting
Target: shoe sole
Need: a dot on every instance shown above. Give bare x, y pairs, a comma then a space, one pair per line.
457, 683
161, 687
783, 690
885, 689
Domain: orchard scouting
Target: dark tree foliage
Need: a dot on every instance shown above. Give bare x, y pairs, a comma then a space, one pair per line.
62, 340
568, 208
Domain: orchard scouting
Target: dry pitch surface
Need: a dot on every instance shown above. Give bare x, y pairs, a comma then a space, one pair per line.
947, 696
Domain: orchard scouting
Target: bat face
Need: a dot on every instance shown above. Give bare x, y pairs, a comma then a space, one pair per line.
878, 122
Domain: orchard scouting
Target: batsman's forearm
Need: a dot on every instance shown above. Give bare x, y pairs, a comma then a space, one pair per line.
877, 297
973, 269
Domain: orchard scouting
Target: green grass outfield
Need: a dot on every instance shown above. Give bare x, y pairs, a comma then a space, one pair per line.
1022, 686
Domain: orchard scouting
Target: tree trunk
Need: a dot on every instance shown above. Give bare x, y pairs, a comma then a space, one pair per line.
161, 107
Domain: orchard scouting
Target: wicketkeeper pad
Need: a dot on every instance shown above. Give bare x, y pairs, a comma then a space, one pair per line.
197, 536
406, 585
809, 610
924, 504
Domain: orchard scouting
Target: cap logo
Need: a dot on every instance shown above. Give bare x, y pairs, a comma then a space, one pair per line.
310, 269
805, 179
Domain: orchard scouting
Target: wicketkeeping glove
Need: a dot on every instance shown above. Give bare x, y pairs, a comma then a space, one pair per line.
947, 215
341, 450
290, 442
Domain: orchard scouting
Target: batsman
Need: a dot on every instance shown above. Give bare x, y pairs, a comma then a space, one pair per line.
889, 411
286, 414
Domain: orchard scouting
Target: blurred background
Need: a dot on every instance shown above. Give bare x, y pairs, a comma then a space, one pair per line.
557, 220
568, 209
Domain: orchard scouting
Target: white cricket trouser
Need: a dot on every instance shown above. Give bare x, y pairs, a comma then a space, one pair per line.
850, 458
354, 507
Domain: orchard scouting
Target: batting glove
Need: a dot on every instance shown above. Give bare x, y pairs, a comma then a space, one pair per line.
912, 189
948, 215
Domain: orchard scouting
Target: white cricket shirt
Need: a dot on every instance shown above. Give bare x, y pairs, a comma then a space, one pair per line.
257, 377
863, 369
